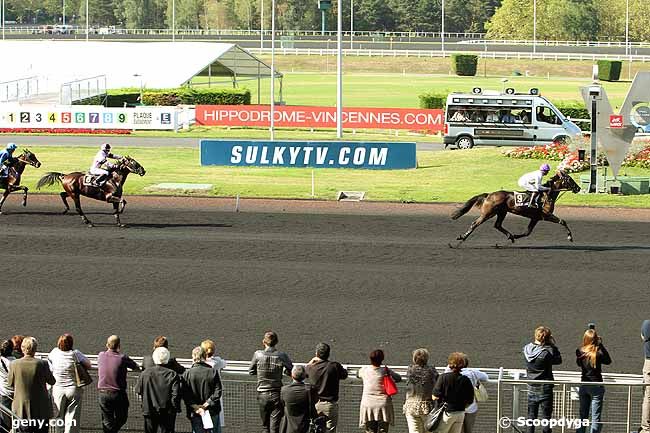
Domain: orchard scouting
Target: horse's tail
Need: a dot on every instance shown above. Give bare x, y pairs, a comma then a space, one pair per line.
49, 179
477, 200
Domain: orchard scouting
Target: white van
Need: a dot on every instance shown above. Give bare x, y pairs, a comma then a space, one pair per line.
504, 119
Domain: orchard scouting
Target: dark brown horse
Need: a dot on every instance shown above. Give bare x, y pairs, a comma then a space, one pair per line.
111, 192
12, 182
499, 203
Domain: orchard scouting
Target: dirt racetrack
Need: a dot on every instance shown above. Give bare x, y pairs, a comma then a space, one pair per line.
358, 275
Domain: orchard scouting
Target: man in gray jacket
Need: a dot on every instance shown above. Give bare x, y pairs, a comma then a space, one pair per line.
269, 365
645, 411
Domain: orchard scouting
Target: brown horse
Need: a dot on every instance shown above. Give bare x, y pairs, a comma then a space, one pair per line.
499, 203
12, 182
111, 192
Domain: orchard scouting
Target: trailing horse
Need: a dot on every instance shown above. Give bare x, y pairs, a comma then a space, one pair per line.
500, 203
11, 183
111, 192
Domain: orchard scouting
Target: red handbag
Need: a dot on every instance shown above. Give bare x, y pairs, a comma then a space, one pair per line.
389, 384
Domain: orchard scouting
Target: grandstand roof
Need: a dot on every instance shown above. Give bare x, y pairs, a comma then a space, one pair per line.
126, 64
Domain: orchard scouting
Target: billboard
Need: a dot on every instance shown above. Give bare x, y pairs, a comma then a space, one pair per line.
320, 117
315, 154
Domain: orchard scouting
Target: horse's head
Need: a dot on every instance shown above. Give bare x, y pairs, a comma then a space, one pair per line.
561, 181
29, 158
133, 166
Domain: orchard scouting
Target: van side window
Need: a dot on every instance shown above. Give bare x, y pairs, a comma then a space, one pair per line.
546, 115
459, 115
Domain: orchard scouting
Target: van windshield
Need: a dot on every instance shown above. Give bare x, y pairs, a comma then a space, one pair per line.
470, 114
548, 116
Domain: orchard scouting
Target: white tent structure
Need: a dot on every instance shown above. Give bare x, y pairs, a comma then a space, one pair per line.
53, 66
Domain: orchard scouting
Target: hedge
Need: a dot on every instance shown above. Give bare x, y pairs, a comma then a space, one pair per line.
464, 64
575, 110
433, 100
183, 95
609, 70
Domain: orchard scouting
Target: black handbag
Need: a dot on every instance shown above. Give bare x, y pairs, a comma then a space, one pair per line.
434, 418
82, 377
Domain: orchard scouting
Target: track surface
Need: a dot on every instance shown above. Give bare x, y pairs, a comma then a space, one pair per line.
360, 276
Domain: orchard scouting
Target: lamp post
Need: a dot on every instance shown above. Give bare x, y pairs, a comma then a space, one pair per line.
2, 17
339, 71
63, 14
87, 23
351, 22
173, 20
272, 70
534, 26
627, 27
262, 25
442, 28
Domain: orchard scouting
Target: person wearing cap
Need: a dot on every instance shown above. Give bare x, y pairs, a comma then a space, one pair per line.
101, 166
7, 158
160, 389
533, 182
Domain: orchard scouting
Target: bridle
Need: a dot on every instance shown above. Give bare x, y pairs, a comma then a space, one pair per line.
26, 158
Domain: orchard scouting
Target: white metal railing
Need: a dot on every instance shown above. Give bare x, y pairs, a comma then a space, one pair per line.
438, 53
530, 42
82, 88
18, 89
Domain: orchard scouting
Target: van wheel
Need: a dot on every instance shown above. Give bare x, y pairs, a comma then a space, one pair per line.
464, 142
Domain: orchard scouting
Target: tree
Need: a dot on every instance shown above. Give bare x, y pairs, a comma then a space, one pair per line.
512, 20
373, 15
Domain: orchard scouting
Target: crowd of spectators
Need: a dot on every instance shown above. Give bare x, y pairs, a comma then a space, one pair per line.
39, 389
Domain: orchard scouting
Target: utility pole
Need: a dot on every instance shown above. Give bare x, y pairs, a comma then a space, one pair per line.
339, 71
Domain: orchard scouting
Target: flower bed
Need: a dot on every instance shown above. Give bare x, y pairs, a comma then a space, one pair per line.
555, 152
64, 131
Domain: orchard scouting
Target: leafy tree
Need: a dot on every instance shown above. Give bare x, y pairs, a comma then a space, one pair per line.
373, 15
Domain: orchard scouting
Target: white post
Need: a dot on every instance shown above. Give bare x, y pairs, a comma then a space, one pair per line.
87, 23
173, 20
534, 26
64, 13
339, 72
627, 27
272, 70
351, 23
2, 16
262, 25
312, 184
442, 28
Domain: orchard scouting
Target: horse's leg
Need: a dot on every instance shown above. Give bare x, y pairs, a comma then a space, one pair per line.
77, 205
25, 189
123, 206
498, 225
553, 219
477, 222
4, 197
116, 213
531, 225
64, 197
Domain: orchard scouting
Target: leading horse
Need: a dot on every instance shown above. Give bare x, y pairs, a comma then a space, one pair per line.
11, 183
500, 203
74, 187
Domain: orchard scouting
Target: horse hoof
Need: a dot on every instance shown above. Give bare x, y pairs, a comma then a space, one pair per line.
89, 225
570, 238
64, 212
24, 204
122, 226
459, 238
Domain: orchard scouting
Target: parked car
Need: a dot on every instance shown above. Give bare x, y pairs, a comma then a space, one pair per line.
61, 29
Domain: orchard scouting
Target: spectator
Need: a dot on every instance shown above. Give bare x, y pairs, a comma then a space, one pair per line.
161, 341
456, 390
645, 410
17, 340
66, 395
268, 365
475, 376
376, 411
492, 117
325, 375
590, 357
459, 116
217, 363
113, 399
29, 378
507, 117
298, 401
160, 389
419, 402
202, 393
6, 392
541, 355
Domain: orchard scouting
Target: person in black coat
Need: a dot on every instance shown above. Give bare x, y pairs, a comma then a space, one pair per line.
160, 389
298, 400
202, 393
172, 364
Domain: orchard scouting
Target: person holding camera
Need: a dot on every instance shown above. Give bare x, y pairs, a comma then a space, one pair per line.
541, 355
590, 357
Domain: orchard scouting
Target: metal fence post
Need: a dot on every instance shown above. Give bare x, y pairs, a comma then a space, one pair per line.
564, 415
629, 409
499, 399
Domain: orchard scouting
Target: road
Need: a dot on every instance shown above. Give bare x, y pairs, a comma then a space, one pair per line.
358, 275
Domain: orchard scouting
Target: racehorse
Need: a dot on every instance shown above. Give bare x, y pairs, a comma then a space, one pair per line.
11, 183
111, 192
499, 203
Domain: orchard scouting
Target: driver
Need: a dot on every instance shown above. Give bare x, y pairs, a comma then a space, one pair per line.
533, 182
7, 158
101, 159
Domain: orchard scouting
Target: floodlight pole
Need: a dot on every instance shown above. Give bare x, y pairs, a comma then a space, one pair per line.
87, 24
173, 20
262, 26
442, 29
64, 13
2, 16
627, 27
351, 23
534, 26
272, 70
339, 72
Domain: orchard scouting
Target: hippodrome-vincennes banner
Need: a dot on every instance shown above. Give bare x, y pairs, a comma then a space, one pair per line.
320, 117
317, 154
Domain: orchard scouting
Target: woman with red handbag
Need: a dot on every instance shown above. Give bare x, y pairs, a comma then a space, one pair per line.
376, 411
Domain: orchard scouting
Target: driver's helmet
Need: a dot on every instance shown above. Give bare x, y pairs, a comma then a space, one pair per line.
106, 147
544, 168
11, 146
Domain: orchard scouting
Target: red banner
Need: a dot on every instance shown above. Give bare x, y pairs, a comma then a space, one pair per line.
320, 117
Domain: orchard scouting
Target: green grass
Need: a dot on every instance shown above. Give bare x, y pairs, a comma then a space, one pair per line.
450, 176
